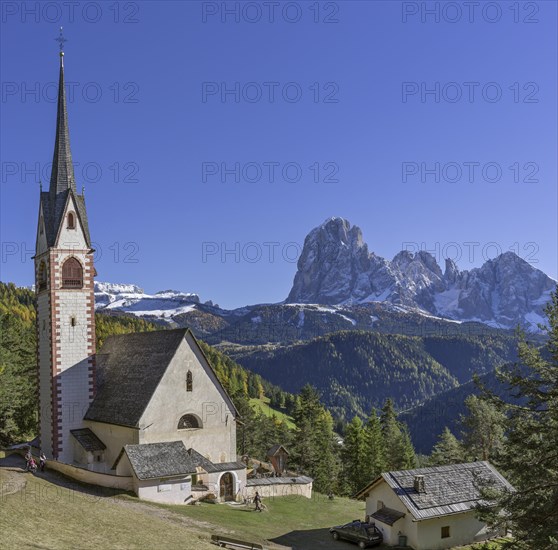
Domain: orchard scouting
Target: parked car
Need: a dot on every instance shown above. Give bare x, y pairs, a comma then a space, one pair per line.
359, 532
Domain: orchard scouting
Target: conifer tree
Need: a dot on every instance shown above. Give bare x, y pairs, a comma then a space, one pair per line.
448, 450
529, 457
313, 448
374, 445
354, 456
483, 429
399, 451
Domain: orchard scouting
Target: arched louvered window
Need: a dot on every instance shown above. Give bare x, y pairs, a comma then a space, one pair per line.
72, 274
189, 383
71, 220
189, 421
42, 277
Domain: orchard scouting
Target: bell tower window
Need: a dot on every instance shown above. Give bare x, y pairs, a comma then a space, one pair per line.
189, 382
72, 274
71, 220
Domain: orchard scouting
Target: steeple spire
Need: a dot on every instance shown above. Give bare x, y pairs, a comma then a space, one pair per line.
62, 176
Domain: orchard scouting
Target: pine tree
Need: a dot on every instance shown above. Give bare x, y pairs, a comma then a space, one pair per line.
399, 451
448, 450
409, 458
483, 429
313, 446
354, 456
375, 462
529, 457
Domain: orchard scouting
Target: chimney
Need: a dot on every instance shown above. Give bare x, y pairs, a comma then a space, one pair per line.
419, 484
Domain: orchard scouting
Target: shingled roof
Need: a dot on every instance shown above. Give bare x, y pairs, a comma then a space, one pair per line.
157, 460
129, 369
448, 490
88, 440
213, 467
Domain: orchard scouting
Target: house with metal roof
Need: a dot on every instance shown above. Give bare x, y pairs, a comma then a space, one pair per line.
431, 508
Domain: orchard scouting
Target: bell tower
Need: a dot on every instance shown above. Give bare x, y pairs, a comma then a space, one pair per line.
64, 275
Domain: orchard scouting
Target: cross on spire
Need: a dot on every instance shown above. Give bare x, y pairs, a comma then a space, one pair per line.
61, 41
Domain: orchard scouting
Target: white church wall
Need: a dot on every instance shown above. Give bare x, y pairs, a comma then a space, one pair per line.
278, 490
114, 437
216, 439
45, 373
167, 490
73, 319
93, 478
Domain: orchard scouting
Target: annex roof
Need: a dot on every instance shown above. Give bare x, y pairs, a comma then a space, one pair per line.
449, 489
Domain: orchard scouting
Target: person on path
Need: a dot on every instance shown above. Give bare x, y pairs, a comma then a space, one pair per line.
42, 461
258, 501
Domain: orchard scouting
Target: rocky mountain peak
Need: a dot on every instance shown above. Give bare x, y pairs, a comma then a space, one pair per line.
335, 267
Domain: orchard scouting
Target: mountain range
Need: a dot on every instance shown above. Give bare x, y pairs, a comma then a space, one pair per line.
339, 284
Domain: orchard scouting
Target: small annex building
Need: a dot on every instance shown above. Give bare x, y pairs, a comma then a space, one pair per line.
432, 507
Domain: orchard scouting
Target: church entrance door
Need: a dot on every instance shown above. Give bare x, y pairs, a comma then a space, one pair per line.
226, 487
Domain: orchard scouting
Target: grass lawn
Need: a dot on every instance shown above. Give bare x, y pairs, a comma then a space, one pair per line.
287, 520
46, 515
262, 405
59, 513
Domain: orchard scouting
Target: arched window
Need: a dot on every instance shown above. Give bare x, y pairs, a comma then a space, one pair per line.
42, 277
72, 274
188, 422
189, 383
71, 220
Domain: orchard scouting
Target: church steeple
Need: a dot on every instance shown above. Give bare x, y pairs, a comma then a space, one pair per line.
65, 306
62, 175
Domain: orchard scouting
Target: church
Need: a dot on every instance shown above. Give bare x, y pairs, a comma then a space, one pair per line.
146, 411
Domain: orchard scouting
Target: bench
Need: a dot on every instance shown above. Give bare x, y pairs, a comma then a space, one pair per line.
226, 542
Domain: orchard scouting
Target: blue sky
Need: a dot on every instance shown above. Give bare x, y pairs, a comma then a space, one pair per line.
344, 135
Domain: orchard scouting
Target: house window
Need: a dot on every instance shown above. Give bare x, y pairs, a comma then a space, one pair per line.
71, 220
42, 278
72, 274
188, 422
73, 321
380, 505
189, 383
445, 532
164, 488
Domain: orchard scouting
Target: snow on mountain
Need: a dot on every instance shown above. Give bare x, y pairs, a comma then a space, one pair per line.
132, 299
335, 268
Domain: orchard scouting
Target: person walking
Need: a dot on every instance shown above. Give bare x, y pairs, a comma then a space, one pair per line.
42, 461
258, 502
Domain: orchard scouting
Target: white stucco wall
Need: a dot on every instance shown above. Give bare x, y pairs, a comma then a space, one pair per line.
169, 491
114, 437
464, 529
216, 439
405, 525
280, 490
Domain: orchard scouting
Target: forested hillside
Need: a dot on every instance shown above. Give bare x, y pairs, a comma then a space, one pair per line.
18, 367
357, 370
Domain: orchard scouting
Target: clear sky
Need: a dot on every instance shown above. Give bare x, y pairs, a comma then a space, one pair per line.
198, 179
